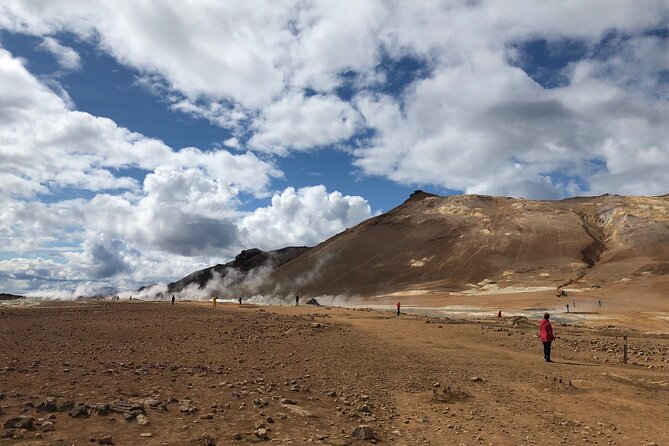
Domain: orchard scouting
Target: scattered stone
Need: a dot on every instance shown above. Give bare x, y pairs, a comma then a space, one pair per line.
79, 411
261, 433
207, 416
49, 405
105, 439
363, 432
282, 416
237, 436
476, 379
313, 302
47, 426
20, 422
287, 401
146, 435
27, 407
205, 440
142, 419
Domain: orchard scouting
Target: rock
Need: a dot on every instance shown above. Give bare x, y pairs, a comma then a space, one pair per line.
205, 440
27, 407
20, 422
261, 433
79, 411
125, 406
476, 379
207, 416
142, 420
101, 409
146, 435
105, 439
363, 432
313, 302
237, 436
50, 405
47, 426
364, 409
282, 416
287, 401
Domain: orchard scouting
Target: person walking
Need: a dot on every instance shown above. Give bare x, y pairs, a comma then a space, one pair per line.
297, 300
172, 299
600, 303
398, 307
240, 300
213, 298
546, 334
567, 308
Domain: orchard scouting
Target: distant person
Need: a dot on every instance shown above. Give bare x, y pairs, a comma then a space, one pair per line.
213, 298
240, 300
600, 303
297, 300
573, 304
130, 299
499, 314
398, 307
566, 294
567, 308
172, 299
546, 334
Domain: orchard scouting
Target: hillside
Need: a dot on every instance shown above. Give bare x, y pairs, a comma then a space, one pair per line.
478, 243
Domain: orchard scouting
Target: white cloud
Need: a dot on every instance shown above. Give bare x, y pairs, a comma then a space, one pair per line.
67, 58
305, 216
300, 123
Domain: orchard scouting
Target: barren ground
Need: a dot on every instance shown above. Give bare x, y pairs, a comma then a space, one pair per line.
312, 374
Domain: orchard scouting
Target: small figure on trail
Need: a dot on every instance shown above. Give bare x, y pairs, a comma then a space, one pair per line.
213, 298
600, 303
567, 308
573, 304
398, 307
172, 299
130, 298
546, 334
565, 293
240, 300
297, 300
499, 314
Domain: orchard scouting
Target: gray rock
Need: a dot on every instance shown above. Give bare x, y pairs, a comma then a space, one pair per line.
79, 411
237, 436
47, 426
105, 439
20, 422
363, 432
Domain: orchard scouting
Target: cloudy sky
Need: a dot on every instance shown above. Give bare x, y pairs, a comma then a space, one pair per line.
141, 140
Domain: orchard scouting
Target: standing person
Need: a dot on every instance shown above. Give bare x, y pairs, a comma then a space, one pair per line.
600, 303
240, 300
398, 307
172, 299
546, 334
297, 300
567, 308
499, 314
213, 298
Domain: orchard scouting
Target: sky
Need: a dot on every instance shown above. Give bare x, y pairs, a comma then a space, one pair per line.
143, 140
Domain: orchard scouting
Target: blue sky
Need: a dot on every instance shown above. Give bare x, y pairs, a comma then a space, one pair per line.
139, 144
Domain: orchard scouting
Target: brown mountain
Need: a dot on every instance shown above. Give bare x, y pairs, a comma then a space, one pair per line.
449, 243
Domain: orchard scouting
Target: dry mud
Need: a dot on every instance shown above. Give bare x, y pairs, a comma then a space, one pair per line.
155, 374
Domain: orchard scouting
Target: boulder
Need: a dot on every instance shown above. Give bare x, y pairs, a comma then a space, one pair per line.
363, 432
20, 422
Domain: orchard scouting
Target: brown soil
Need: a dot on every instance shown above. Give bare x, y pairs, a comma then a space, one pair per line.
413, 379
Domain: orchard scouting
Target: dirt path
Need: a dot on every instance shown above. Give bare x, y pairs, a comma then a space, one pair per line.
311, 375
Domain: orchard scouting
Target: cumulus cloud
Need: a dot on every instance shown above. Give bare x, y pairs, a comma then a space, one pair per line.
304, 216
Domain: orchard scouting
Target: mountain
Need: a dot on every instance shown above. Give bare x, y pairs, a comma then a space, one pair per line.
247, 264
461, 242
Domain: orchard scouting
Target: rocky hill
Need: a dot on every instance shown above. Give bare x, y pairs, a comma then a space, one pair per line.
475, 242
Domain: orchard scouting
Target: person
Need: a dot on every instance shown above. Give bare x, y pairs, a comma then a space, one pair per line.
213, 298
499, 314
546, 334
573, 304
398, 307
297, 300
172, 299
600, 303
240, 300
567, 308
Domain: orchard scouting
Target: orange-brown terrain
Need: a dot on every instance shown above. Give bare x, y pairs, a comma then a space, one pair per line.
445, 372
149, 373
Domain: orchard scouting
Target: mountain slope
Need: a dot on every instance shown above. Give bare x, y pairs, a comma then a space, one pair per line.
448, 243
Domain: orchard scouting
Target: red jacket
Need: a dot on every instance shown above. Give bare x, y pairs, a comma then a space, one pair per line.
546, 330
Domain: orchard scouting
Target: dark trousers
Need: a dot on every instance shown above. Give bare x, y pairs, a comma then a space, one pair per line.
398, 311
547, 350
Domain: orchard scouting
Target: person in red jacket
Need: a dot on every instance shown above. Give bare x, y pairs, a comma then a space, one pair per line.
546, 333
398, 308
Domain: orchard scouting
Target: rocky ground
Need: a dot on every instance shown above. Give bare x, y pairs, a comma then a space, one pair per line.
154, 374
